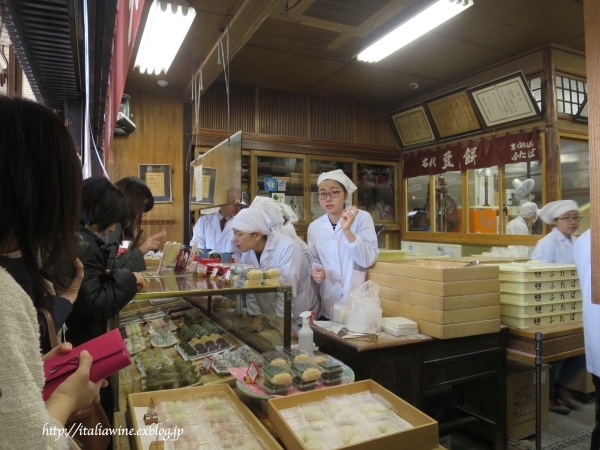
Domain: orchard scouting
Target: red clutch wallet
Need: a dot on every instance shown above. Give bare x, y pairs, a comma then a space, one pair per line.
109, 353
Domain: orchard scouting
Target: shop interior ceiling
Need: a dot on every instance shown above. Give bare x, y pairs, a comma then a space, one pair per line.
292, 44
311, 45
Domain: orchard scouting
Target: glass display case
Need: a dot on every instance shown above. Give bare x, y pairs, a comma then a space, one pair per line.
522, 184
483, 200
225, 304
377, 190
281, 177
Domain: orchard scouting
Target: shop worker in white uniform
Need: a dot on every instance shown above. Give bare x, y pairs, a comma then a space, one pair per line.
557, 247
264, 247
342, 243
280, 217
214, 232
522, 223
591, 322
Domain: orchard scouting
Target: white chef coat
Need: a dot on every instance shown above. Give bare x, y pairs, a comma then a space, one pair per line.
517, 226
284, 253
345, 263
591, 312
555, 247
208, 234
289, 230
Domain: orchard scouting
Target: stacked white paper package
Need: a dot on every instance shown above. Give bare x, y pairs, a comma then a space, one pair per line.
399, 326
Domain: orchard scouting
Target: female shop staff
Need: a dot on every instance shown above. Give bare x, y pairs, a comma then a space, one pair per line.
521, 223
557, 247
342, 243
263, 247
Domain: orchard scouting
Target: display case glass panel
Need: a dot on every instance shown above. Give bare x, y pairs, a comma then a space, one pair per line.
282, 178
448, 205
377, 190
522, 184
575, 175
417, 201
484, 200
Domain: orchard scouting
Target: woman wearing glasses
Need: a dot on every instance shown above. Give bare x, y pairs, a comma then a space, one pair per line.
342, 243
557, 247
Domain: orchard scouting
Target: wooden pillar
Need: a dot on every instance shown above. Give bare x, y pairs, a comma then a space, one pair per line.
592, 60
552, 162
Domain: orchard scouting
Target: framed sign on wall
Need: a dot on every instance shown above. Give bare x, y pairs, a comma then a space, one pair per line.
158, 179
412, 126
505, 101
453, 114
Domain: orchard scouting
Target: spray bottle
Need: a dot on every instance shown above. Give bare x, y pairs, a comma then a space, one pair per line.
305, 335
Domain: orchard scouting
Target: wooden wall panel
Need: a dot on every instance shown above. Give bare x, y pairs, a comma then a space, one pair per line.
282, 113
213, 108
373, 125
332, 119
158, 139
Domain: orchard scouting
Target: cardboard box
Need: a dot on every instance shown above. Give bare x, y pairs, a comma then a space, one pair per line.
424, 435
423, 286
448, 302
480, 398
440, 271
142, 399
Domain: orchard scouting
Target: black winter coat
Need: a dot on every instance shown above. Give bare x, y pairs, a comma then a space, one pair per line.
101, 295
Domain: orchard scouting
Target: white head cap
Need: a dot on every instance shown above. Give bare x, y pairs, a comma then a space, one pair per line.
270, 210
250, 220
528, 209
339, 176
556, 209
287, 211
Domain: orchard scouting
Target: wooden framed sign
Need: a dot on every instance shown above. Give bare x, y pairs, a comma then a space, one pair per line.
412, 126
453, 114
158, 179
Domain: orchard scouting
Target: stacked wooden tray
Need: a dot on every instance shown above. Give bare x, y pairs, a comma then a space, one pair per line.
535, 294
445, 298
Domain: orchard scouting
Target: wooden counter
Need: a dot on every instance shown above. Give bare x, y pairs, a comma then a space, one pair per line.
422, 370
558, 342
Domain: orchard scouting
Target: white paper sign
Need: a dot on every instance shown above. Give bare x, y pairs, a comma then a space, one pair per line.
199, 182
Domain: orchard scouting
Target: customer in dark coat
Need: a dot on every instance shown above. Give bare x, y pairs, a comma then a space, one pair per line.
103, 293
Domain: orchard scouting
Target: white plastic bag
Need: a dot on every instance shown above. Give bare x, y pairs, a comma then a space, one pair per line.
364, 311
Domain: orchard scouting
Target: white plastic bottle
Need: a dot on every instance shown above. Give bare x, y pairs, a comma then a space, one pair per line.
305, 335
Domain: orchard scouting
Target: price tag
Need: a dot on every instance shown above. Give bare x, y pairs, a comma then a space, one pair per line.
227, 275
251, 373
202, 269
215, 272
206, 365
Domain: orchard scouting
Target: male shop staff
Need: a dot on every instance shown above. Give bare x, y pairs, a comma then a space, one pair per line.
214, 232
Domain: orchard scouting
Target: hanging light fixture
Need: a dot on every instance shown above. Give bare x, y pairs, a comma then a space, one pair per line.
415, 27
168, 23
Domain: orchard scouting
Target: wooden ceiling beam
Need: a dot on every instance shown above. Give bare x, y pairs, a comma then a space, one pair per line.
244, 23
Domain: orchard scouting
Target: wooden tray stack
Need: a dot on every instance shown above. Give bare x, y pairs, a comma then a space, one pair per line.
445, 298
535, 294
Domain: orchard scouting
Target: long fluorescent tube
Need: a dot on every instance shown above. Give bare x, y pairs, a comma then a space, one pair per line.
165, 29
420, 24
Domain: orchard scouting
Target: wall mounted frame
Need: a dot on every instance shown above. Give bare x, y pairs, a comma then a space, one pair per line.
412, 126
504, 101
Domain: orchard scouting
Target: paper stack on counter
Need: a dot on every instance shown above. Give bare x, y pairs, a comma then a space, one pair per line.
399, 326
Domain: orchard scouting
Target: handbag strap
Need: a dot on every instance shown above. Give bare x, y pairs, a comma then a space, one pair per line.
51, 328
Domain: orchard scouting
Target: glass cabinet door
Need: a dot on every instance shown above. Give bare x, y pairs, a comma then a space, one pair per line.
484, 201
377, 190
282, 179
319, 166
417, 204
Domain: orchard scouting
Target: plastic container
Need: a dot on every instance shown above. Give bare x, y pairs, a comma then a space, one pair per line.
540, 309
277, 375
329, 366
305, 335
304, 386
306, 371
271, 388
541, 320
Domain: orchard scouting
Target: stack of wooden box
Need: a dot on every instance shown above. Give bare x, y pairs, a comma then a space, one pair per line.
445, 298
535, 294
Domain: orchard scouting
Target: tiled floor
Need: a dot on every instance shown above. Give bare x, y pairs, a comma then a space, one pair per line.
560, 427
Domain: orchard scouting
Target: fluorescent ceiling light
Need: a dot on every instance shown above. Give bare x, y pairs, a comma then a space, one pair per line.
165, 29
415, 27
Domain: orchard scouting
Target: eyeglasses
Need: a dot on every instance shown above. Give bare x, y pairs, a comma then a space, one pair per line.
332, 194
570, 219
